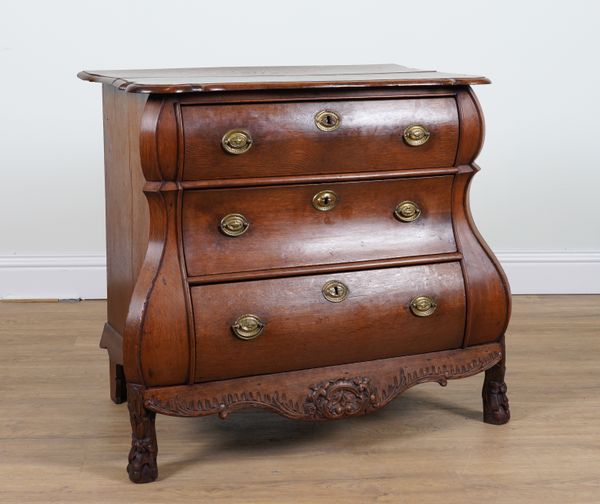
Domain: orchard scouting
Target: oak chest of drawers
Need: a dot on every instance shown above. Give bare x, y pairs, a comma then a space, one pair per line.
294, 238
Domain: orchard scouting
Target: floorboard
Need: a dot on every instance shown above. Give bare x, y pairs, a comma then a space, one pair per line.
63, 440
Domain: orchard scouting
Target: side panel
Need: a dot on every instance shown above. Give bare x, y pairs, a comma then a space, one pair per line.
488, 292
126, 207
156, 344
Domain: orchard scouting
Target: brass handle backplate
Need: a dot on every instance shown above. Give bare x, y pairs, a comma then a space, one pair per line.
248, 327
236, 141
324, 200
327, 120
234, 224
335, 291
407, 211
416, 135
422, 306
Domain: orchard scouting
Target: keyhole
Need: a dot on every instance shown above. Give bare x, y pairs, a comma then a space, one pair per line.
334, 291
324, 200
327, 120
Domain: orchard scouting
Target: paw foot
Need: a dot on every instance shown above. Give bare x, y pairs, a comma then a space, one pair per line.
142, 466
495, 403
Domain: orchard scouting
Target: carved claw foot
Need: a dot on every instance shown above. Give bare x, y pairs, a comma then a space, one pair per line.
495, 401
142, 466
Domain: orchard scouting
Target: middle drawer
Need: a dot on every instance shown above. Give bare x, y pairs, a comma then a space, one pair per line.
252, 229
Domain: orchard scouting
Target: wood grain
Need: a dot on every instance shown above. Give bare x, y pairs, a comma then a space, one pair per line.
488, 291
127, 219
378, 304
286, 140
285, 229
126, 208
62, 440
324, 268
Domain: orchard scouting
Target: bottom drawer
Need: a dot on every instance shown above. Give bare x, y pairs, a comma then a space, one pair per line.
369, 315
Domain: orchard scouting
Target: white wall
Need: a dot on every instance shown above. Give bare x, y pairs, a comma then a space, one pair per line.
536, 199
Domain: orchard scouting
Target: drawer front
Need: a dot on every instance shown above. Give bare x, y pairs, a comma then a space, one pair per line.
285, 229
285, 138
302, 329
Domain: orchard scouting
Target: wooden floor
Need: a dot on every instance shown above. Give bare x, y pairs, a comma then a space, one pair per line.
62, 440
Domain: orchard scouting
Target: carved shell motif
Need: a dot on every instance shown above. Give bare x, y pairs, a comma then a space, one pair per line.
341, 398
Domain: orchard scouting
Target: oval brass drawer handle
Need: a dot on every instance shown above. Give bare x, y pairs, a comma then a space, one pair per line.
422, 306
236, 141
335, 291
234, 224
328, 120
407, 211
324, 200
416, 135
248, 327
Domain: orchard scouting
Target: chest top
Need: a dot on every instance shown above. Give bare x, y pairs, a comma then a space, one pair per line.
188, 80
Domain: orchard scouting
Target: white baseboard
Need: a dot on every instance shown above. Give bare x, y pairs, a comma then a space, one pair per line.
53, 277
543, 272
84, 276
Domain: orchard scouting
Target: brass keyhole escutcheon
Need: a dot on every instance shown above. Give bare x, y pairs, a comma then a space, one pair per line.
236, 141
335, 291
407, 211
416, 135
248, 327
324, 200
327, 120
422, 306
234, 224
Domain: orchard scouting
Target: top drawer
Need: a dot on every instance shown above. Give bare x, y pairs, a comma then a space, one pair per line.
285, 138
